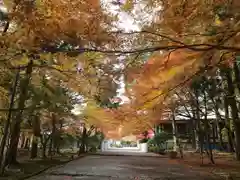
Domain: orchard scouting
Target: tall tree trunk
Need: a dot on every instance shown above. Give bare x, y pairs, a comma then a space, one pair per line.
23, 140
236, 75
208, 143
36, 135
50, 147
15, 131
83, 141
34, 147
177, 146
194, 123
27, 143
207, 130
59, 138
7, 124
44, 148
217, 124
234, 111
213, 129
53, 135
174, 132
199, 130
193, 134
214, 97
231, 146
44, 141
223, 147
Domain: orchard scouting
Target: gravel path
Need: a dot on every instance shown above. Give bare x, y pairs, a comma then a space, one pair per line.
98, 167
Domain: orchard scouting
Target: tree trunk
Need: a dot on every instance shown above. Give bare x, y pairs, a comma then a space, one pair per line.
207, 129
194, 132
23, 140
227, 120
83, 141
36, 135
210, 154
217, 123
44, 141
27, 143
237, 75
15, 131
59, 138
227, 126
223, 147
34, 148
7, 124
174, 132
53, 136
213, 128
234, 111
44, 148
50, 147
199, 130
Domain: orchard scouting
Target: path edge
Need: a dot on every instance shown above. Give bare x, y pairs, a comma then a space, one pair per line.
131, 155
52, 166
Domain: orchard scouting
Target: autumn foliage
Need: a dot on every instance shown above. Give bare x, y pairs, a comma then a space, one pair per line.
76, 48
189, 34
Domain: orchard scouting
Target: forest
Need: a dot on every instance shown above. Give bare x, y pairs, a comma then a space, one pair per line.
62, 63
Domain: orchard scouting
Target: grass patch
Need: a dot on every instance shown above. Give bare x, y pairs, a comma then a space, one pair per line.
28, 167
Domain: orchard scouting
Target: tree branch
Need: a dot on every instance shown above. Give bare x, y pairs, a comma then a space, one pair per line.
207, 67
194, 47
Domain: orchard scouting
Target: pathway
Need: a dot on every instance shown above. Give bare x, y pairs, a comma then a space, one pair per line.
97, 167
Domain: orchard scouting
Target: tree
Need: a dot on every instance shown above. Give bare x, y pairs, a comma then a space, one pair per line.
67, 43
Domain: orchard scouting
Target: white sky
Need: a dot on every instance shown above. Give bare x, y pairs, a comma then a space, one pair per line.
139, 15
127, 23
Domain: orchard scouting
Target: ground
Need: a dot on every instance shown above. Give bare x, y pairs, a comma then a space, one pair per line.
28, 166
102, 167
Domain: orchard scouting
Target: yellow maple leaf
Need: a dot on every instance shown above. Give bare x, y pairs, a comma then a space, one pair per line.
21, 62
128, 5
60, 68
218, 22
8, 3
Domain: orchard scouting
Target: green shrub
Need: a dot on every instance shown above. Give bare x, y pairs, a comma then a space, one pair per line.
93, 149
158, 143
153, 149
160, 139
144, 140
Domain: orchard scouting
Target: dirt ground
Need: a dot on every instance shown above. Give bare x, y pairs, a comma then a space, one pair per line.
225, 164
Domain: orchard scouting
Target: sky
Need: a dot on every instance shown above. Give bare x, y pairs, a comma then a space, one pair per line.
138, 15
125, 22
128, 23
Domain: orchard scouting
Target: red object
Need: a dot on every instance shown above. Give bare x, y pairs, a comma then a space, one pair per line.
150, 135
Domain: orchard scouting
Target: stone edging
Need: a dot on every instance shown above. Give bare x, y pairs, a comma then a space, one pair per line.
49, 167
